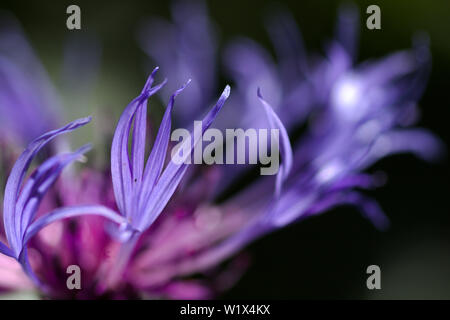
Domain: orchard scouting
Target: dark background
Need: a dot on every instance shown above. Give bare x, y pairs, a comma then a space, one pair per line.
325, 256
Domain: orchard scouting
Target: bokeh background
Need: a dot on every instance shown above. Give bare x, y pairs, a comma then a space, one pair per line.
324, 256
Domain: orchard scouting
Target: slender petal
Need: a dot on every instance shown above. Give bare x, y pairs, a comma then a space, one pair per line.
69, 212
368, 207
347, 29
285, 144
121, 167
139, 136
39, 183
157, 156
16, 177
174, 172
420, 142
25, 263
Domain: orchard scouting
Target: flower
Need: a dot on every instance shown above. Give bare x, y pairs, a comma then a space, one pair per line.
22, 118
148, 188
361, 115
167, 222
142, 192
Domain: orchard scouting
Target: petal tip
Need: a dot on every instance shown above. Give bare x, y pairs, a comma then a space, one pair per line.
150, 79
226, 91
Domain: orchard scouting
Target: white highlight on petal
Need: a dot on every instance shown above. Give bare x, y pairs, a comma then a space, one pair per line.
329, 171
347, 98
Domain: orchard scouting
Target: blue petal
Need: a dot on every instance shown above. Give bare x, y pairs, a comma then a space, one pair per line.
157, 156
16, 177
5, 250
121, 168
174, 172
69, 212
285, 145
39, 183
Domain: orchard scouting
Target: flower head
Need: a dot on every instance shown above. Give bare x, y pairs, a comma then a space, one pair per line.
167, 222
361, 115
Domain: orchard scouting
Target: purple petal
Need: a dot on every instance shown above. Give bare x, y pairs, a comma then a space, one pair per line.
347, 29
121, 168
367, 206
157, 156
360, 180
138, 144
39, 183
69, 212
16, 177
25, 263
285, 144
5, 250
420, 142
174, 172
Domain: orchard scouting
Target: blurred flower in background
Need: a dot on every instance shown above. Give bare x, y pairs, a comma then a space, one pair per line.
352, 115
361, 114
29, 105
